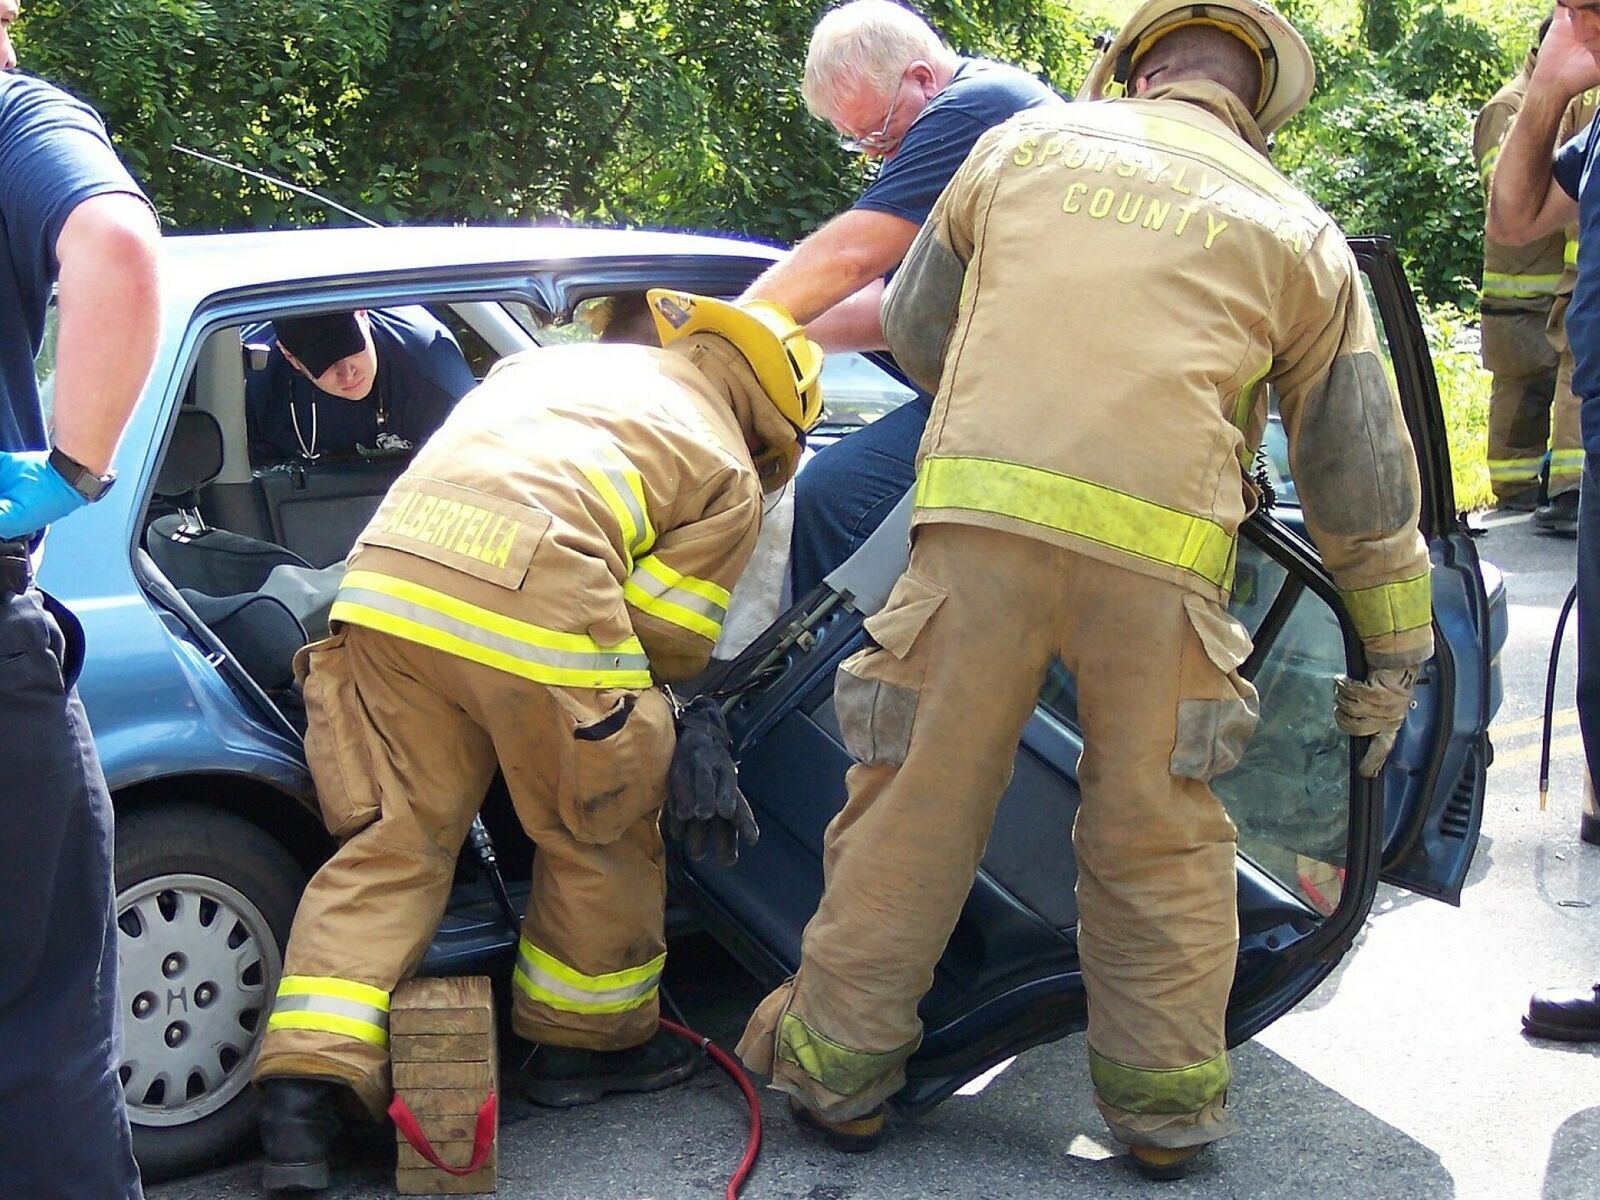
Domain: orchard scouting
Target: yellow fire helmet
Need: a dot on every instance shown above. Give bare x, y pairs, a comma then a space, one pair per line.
1287, 70
787, 364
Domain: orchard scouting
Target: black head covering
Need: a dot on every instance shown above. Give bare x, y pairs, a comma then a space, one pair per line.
320, 341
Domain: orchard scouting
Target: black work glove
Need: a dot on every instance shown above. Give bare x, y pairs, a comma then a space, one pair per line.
705, 809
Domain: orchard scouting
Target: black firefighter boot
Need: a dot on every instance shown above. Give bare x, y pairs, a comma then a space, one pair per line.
561, 1076
299, 1119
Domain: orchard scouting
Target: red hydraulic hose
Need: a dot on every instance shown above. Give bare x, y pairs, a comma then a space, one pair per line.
726, 1061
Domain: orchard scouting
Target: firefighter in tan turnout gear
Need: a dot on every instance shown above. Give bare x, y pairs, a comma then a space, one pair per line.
1519, 287
564, 542
1078, 496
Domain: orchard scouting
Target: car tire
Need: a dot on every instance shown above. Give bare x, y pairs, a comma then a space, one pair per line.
205, 901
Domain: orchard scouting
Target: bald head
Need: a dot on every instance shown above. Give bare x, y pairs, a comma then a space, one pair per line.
1200, 52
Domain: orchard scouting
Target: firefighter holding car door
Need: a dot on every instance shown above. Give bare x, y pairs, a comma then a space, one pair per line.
563, 543
1079, 493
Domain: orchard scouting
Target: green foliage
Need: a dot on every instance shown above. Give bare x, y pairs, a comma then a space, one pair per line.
1385, 163
1382, 23
1385, 144
688, 113
629, 111
1464, 390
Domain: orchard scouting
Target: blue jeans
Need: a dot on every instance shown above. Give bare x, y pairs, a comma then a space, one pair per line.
847, 490
1589, 613
63, 1127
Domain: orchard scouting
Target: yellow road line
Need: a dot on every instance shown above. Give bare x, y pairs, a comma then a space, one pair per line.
1510, 729
1528, 755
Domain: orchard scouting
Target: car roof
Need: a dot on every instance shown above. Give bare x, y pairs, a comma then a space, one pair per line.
208, 263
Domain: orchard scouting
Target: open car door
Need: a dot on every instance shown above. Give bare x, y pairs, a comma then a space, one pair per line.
1313, 835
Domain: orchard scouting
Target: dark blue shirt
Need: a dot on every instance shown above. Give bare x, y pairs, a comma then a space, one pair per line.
421, 374
979, 96
54, 154
1575, 172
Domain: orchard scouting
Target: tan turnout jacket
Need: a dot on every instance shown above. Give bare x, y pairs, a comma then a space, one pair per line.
578, 520
1514, 277
1154, 271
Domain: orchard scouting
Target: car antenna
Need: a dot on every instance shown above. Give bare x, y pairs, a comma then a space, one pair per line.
276, 182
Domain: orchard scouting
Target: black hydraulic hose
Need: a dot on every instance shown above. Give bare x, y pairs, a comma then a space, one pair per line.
483, 846
1550, 698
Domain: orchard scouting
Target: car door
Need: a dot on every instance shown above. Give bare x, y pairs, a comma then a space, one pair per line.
1313, 834
1434, 782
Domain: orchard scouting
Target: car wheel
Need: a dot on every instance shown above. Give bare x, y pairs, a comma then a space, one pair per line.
205, 900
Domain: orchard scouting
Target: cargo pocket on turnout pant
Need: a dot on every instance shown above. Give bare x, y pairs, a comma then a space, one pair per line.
876, 691
1212, 732
614, 770
337, 745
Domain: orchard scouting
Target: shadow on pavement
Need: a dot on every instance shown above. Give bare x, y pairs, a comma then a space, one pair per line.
1573, 1172
1032, 1131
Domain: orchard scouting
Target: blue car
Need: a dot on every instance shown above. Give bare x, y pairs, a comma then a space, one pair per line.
210, 565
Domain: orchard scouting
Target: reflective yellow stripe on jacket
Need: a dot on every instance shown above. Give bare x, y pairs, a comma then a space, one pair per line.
697, 605
619, 483
1498, 286
431, 618
1084, 509
1570, 255
330, 1005
544, 978
1390, 607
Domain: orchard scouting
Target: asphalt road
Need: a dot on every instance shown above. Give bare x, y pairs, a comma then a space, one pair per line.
1405, 1075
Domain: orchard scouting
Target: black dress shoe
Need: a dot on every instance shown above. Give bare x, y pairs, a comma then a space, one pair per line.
299, 1120
1567, 1014
561, 1076
1560, 516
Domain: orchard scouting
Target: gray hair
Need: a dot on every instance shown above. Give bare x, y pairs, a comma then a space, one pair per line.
866, 44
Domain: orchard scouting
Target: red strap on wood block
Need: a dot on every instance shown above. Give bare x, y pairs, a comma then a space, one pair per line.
482, 1139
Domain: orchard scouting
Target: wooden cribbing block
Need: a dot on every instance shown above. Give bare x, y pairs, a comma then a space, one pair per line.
442, 1046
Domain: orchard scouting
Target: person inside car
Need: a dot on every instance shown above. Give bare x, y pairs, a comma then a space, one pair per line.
352, 383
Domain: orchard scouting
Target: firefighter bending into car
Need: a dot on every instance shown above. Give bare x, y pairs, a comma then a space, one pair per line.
1079, 493
563, 543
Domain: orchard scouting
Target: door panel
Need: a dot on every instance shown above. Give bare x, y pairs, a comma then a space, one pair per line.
1434, 782
1009, 976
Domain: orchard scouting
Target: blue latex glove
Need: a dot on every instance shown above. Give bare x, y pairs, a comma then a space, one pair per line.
32, 493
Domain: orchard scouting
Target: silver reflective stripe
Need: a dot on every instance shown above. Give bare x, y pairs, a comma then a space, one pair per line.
499, 643
643, 534
584, 998
333, 1006
682, 597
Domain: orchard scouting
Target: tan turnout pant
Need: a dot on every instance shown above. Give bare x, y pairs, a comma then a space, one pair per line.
1523, 364
403, 741
934, 715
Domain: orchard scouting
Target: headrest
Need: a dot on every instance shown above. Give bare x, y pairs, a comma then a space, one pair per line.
194, 456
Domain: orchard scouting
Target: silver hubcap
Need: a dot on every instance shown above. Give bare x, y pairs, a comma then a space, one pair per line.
197, 966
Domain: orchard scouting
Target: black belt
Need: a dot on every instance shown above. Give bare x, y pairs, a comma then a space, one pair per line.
16, 569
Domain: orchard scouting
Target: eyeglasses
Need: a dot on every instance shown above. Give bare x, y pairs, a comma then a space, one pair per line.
878, 141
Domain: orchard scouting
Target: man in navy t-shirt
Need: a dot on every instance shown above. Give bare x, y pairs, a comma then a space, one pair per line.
1537, 192
362, 382
896, 92
70, 216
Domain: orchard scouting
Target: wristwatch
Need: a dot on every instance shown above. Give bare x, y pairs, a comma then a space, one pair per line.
82, 480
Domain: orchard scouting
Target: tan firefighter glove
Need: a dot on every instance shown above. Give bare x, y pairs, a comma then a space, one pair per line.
1374, 707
